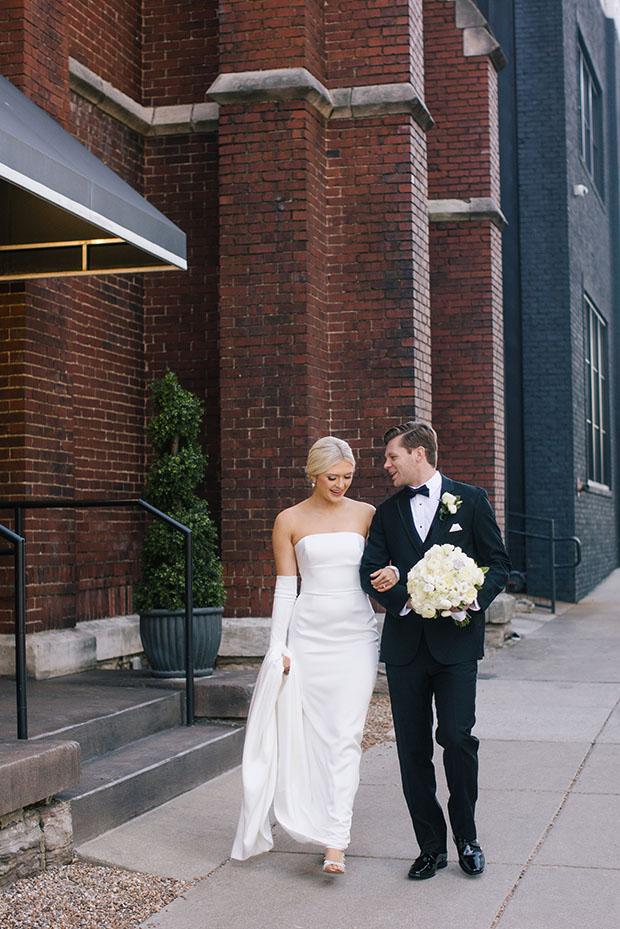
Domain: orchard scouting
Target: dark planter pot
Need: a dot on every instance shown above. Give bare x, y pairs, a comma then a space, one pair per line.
162, 637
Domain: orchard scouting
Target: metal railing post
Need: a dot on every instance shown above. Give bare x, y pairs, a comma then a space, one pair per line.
552, 563
18, 552
189, 629
189, 607
20, 639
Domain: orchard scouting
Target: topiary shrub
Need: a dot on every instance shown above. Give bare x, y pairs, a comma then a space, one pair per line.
171, 484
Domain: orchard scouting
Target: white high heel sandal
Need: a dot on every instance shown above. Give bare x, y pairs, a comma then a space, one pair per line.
333, 867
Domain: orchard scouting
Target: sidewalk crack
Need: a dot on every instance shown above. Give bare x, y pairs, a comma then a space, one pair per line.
550, 826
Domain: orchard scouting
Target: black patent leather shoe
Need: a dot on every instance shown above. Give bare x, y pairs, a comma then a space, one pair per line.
426, 865
471, 856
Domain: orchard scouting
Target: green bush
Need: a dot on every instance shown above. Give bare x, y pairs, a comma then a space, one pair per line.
171, 487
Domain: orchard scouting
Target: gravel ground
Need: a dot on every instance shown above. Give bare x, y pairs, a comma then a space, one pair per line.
86, 896
379, 722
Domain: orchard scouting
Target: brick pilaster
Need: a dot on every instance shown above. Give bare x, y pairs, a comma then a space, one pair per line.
465, 255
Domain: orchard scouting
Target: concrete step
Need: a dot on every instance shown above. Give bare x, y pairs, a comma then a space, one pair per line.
138, 777
110, 730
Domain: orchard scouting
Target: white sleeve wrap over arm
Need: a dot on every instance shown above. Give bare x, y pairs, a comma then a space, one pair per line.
284, 597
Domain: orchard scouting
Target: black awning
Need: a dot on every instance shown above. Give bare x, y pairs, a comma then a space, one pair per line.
63, 212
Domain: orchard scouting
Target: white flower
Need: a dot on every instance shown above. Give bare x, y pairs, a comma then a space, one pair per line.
445, 579
449, 504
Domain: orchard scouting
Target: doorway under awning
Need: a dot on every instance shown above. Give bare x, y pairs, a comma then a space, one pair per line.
63, 212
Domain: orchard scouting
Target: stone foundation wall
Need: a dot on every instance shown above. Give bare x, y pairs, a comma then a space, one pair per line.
35, 838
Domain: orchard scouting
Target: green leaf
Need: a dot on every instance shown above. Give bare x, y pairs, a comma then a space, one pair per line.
171, 484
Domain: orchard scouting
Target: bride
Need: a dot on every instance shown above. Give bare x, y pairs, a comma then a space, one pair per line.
303, 739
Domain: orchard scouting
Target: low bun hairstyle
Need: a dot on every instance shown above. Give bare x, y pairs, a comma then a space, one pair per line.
325, 453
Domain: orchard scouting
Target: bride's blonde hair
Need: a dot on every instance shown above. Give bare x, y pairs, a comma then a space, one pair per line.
325, 453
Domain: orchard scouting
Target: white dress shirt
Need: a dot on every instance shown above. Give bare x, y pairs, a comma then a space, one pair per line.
423, 508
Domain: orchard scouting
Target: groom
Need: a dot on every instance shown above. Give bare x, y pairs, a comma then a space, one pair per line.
433, 659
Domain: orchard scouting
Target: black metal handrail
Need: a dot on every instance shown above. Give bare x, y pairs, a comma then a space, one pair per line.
18, 552
17, 539
552, 539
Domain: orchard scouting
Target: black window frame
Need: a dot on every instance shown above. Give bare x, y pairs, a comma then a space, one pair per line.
590, 103
597, 405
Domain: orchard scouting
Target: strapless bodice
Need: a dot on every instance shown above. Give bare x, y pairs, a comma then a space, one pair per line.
329, 562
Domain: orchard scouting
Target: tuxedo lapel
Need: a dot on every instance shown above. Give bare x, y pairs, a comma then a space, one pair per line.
404, 510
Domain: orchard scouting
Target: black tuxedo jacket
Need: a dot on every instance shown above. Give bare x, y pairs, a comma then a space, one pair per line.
393, 539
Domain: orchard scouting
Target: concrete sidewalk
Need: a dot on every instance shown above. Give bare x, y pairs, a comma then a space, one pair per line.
548, 814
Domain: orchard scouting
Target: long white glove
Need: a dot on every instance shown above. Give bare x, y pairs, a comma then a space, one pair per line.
284, 597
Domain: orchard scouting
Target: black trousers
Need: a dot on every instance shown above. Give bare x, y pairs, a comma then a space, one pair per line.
453, 688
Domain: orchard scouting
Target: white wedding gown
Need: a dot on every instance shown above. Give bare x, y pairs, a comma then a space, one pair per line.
303, 739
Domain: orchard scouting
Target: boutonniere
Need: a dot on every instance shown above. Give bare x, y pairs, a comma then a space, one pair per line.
449, 505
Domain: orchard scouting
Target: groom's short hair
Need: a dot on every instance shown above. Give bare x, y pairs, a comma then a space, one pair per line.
413, 435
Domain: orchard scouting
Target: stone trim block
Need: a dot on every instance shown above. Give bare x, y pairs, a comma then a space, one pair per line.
442, 211
501, 610
31, 770
340, 103
498, 621
245, 638
225, 695
380, 100
51, 654
115, 637
68, 651
374, 100
60, 651
477, 36
274, 84
145, 120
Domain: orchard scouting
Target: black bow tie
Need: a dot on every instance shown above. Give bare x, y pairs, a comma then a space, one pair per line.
412, 491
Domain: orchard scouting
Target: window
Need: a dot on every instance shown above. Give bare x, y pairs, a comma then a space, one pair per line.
597, 395
591, 113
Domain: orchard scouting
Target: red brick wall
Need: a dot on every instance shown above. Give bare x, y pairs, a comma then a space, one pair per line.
33, 52
467, 335
181, 308
271, 34
180, 50
373, 43
12, 388
80, 431
117, 146
107, 38
378, 293
273, 328
461, 93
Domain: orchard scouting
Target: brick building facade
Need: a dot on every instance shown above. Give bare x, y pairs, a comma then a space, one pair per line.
560, 110
336, 170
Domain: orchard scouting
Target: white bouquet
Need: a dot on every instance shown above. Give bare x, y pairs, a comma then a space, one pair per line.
445, 579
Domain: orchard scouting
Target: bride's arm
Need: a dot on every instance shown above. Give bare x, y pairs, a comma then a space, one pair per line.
285, 592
